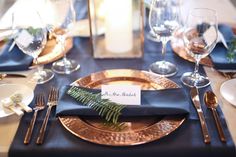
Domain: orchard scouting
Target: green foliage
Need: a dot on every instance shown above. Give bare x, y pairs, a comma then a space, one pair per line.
33, 31
110, 111
231, 54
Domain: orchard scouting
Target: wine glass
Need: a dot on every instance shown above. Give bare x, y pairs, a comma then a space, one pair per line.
163, 21
200, 37
62, 19
31, 38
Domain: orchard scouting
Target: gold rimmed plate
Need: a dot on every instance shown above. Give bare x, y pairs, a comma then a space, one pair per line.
137, 130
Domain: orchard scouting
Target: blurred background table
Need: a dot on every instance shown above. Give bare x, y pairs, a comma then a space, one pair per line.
226, 14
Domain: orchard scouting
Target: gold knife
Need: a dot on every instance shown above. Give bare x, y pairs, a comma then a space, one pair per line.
4, 75
196, 101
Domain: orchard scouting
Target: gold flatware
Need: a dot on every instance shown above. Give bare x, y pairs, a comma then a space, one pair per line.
196, 101
40, 105
228, 75
52, 101
211, 102
4, 75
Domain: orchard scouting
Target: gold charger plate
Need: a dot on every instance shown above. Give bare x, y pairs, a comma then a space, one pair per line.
138, 130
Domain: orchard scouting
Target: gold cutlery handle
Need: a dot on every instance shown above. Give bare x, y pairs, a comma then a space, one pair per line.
218, 125
205, 132
43, 127
30, 128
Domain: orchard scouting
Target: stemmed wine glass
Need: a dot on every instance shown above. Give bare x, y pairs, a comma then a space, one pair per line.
31, 38
200, 37
62, 20
163, 21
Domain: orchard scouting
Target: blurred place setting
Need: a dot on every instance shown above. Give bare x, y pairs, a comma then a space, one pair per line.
117, 78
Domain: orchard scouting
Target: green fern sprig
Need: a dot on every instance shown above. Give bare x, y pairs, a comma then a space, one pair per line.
110, 111
231, 54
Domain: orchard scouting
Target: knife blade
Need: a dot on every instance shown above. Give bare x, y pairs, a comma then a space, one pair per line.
196, 101
4, 75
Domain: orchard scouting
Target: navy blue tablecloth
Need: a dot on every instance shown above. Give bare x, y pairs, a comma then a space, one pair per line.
185, 141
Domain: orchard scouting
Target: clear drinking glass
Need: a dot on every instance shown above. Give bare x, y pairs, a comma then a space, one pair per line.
62, 19
163, 21
31, 38
200, 37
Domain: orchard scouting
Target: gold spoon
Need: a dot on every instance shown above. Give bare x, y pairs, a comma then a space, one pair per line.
211, 102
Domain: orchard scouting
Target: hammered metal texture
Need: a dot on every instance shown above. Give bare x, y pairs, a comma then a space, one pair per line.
138, 130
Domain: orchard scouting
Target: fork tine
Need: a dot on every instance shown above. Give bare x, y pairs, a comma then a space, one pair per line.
41, 100
50, 96
56, 94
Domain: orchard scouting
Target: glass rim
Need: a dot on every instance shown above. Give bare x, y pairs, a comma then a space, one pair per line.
194, 13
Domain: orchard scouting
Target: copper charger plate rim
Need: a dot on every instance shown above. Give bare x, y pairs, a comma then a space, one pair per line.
88, 132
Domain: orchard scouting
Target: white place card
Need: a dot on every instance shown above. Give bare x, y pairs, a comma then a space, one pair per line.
123, 94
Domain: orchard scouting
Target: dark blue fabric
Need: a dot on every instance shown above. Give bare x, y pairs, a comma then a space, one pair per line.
152, 103
14, 60
218, 55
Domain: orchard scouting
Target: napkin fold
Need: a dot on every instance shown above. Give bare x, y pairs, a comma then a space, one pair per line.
218, 55
158, 102
15, 60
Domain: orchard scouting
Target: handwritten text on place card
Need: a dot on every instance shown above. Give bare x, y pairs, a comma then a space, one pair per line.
123, 94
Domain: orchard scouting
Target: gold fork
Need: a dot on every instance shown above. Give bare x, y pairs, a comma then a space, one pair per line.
52, 101
40, 105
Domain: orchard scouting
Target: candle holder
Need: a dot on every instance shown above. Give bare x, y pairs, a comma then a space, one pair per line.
116, 28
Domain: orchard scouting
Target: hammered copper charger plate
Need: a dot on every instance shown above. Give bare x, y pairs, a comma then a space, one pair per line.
138, 130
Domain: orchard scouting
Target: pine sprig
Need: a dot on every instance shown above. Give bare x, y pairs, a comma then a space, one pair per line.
107, 109
231, 54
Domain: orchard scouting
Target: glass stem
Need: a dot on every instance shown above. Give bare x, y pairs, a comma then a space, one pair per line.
62, 41
163, 50
195, 73
38, 67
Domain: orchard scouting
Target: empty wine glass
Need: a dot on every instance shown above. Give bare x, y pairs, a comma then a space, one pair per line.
31, 38
200, 37
163, 21
62, 19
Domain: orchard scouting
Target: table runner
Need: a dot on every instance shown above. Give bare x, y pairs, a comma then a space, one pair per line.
185, 141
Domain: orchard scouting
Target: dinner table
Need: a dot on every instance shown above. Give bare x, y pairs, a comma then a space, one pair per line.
186, 140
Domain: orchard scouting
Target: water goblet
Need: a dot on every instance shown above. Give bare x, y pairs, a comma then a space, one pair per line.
163, 21
31, 38
62, 18
200, 37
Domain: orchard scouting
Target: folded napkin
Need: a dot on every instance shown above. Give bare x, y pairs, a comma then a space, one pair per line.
159, 102
218, 55
14, 60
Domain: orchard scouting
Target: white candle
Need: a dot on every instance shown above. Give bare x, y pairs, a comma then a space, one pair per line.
118, 19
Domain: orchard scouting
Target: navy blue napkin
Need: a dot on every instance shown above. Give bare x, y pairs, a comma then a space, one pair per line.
15, 60
218, 55
158, 102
